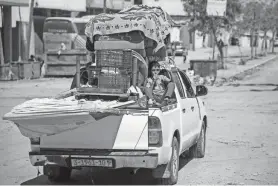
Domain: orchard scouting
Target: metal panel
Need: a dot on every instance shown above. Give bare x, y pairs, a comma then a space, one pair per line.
14, 2
70, 5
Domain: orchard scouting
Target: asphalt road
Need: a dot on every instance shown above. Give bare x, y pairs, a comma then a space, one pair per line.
242, 142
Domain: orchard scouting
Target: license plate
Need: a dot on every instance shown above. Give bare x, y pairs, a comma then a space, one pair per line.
91, 163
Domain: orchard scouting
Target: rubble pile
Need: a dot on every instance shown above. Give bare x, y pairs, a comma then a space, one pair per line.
198, 80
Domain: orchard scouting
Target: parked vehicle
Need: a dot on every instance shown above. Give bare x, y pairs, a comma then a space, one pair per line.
104, 121
179, 49
234, 41
176, 48
64, 31
64, 40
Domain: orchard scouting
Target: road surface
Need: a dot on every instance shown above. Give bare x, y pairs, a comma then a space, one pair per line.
242, 142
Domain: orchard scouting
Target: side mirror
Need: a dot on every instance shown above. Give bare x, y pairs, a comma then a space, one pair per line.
201, 90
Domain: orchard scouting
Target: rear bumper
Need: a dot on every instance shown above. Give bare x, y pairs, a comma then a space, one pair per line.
123, 160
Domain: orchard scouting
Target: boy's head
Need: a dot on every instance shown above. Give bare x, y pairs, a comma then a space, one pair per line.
155, 68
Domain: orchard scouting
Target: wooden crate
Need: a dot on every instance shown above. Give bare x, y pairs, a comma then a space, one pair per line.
64, 64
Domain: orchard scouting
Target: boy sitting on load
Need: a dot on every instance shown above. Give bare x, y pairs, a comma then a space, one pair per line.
159, 88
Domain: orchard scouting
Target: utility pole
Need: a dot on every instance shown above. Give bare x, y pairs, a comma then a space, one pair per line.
1, 49
19, 34
31, 8
104, 6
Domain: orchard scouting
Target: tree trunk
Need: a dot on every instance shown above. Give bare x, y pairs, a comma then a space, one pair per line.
262, 46
204, 41
31, 8
265, 43
221, 56
251, 43
193, 40
256, 51
256, 46
104, 6
273, 39
213, 51
220, 49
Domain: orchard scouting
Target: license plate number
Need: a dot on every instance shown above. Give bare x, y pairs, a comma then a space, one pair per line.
91, 163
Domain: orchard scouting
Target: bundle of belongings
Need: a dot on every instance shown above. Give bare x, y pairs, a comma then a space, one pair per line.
146, 31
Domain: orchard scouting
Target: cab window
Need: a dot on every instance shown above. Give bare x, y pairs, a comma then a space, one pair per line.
189, 90
58, 26
178, 84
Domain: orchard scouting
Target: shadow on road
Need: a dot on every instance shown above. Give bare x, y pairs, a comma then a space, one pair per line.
184, 162
105, 177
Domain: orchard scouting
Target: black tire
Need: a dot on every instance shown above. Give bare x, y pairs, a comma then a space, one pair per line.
173, 166
56, 173
198, 150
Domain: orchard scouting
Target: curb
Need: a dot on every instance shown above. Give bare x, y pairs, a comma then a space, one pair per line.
241, 75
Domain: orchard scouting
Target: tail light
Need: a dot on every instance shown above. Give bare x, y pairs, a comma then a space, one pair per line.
35, 141
155, 132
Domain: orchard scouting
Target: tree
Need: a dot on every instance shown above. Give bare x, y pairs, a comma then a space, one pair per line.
260, 16
252, 19
196, 9
266, 24
273, 21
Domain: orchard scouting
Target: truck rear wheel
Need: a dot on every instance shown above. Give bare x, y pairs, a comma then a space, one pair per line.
172, 166
57, 173
199, 149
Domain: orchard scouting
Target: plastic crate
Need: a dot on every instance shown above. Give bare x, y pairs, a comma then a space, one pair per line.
109, 80
114, 82
114, 58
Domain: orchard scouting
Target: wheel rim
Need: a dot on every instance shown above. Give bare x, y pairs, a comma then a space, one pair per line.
175, 164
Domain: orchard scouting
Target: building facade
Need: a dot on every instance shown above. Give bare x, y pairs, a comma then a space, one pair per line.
11, 15
6, 32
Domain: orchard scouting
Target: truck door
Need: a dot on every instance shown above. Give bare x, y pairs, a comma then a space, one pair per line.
186, 113
192, 103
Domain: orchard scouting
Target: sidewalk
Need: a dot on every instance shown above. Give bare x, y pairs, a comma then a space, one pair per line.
232, 66
207, 53
234, 70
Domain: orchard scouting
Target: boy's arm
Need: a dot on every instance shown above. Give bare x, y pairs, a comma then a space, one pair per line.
149, 88
149, 83
164, 78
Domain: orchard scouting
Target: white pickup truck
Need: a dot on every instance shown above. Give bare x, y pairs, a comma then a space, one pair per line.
123, 137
